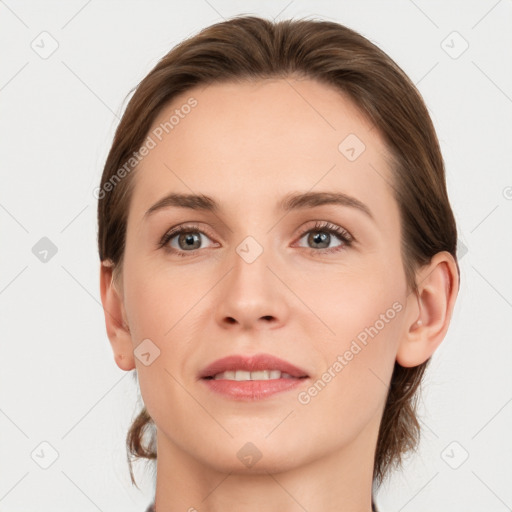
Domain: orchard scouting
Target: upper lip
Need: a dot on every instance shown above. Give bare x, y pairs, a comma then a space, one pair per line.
252, 363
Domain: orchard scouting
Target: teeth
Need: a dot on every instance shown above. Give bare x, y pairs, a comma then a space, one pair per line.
261, 375
241, 375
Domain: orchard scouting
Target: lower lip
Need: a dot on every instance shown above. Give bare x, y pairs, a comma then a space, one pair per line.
250, 390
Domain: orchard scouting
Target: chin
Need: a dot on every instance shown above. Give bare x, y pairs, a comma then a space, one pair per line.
258, 457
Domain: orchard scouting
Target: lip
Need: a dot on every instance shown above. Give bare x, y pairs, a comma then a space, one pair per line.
252, 363
252, 390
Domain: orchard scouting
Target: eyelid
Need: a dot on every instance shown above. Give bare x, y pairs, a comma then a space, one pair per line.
180, 228
327, 226
345, 237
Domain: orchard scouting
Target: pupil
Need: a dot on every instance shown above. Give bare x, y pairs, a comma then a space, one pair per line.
319, 238
190, 239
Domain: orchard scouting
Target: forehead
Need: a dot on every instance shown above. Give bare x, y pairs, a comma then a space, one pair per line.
248, 142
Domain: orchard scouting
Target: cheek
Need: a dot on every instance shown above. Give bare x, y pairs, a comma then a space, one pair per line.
349, 392
363, 312
159, 307
156, 299
349, 300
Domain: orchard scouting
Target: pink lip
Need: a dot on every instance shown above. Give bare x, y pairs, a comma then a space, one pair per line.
251, 390
251, 364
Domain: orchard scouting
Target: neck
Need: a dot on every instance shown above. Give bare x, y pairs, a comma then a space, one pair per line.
339, 481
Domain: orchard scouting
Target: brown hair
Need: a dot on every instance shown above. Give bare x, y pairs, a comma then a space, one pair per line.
252, 48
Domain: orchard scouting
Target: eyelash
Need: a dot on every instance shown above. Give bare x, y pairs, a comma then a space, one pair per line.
321, 226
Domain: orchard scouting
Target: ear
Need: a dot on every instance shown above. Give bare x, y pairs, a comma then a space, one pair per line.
429, 311
118, 331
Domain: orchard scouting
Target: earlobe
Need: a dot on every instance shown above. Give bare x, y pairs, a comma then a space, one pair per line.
429, 311
116, 325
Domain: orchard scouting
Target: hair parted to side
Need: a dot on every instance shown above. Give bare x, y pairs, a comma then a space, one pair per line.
248, 48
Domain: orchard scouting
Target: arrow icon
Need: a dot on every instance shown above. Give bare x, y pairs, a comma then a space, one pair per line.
44, 250
147, 352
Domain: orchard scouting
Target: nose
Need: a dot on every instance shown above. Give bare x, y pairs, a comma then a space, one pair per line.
252, 296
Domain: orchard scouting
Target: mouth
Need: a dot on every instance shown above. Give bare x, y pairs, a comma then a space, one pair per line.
251, 378
243, 375
256, 367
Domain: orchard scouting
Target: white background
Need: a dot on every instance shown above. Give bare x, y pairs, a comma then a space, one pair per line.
59, 383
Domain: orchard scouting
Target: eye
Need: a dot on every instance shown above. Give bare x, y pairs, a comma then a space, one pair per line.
183, 239
321, 234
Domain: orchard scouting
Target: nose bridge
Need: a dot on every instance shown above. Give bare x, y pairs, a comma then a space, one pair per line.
250, 275
251, 293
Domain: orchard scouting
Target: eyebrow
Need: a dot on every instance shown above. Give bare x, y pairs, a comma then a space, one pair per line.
293, 201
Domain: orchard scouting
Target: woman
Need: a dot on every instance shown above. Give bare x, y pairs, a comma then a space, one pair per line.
278, 263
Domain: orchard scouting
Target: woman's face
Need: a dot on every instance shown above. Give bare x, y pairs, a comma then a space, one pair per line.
253, 277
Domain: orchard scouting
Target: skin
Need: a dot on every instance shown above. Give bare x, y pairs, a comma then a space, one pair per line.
247, 146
